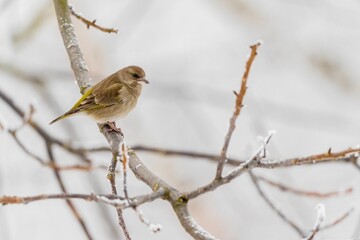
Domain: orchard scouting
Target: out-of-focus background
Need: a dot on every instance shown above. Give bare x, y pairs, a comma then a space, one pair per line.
304, 84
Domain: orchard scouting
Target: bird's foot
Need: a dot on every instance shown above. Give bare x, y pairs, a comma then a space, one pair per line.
111, 127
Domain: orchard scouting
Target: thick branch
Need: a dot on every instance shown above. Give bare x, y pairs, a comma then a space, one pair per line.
189, 223
71, 43
81, 72
177, 200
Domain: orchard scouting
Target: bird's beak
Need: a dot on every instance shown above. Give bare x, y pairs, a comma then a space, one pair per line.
143, 80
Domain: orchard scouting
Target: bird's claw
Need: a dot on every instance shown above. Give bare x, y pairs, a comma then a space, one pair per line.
111, 127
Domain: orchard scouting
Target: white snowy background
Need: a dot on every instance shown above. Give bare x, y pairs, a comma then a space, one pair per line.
304, 84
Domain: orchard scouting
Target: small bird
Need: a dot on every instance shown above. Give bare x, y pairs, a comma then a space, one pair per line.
112, 98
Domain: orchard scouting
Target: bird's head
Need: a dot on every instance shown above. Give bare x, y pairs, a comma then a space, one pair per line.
133, 75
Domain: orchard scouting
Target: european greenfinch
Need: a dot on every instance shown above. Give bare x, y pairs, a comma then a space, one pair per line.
112, 98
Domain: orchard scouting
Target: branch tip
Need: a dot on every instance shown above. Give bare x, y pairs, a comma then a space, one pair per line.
90, 23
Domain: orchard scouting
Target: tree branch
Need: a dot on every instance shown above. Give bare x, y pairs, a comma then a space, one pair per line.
277, 209
178, 201
71, 44
192, 154
287, 188
348, 155
89, 23
242, 168
82, 76
319, 220
238, 106
113, 200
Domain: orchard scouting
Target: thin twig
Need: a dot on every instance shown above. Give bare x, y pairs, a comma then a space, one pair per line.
89, 23
192, 154
51, 165
338, 220
320, 216
269, 163
287, 188
110, 199
77, 167
153, 227
49, 141
24, 148
111, 176
276, 209
251, 163
124, 155
33, 25
46, 136
21, 74
347, 155
63, 189
238, 106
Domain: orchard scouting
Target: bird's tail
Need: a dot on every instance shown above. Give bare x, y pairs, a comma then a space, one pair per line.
65, 115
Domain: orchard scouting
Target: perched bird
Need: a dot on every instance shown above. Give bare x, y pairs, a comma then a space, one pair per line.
112, 98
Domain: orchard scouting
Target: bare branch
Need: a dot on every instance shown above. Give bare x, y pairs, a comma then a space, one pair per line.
48, 142
71, 44
338, 220
33, 25
242, 168
177, 200
274, 207
192, 154
189, 223
81, 72
319, 220
113, 200
269, 163
89, 23
20, 74
124, 156
111, 177
64, 190
287, 188
27, 151
153, 227
50, 164
348, 155
238, 107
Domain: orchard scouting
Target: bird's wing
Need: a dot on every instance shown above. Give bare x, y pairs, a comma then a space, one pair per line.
109, 96
95, 98
81, 101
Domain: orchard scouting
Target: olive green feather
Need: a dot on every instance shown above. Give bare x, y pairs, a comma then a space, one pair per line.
112, 98
76, 105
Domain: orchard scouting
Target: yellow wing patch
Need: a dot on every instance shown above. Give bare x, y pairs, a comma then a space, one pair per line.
78, 103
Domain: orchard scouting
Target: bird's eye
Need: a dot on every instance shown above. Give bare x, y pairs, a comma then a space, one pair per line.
135, 75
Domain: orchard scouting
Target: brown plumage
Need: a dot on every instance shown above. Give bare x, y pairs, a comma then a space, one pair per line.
112, 98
